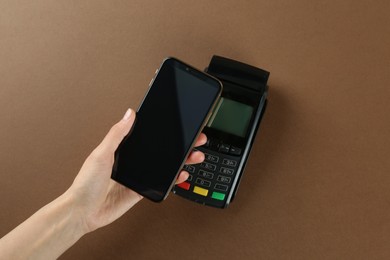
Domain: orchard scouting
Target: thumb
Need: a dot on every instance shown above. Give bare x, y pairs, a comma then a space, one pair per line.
117, 132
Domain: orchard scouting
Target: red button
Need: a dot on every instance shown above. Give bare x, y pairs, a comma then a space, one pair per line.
184, 185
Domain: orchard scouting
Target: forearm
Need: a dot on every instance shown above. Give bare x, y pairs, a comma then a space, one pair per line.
46, 234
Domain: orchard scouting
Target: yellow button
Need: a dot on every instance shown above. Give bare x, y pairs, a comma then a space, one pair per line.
201, 191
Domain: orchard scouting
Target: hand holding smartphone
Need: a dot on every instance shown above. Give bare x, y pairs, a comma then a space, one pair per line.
169, 120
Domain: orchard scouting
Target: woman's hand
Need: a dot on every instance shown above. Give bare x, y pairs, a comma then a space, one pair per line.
97, 198
92, 201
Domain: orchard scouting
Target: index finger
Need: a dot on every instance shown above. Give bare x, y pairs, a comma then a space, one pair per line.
202, 139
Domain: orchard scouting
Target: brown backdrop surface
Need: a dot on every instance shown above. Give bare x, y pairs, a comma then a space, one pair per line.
317, 182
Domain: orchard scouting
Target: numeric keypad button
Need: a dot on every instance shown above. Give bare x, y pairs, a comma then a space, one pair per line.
223, 179
203, 182
211, 158
208, 166
225, 170
229, 162
205, 174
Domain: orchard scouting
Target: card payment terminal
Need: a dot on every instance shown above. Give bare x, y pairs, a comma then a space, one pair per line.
230, 130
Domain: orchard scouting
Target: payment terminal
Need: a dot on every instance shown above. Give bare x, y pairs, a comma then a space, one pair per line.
230, 131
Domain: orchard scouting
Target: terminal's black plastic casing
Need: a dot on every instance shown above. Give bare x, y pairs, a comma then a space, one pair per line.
246, 84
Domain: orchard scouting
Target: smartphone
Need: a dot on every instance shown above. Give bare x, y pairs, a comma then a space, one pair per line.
169, 120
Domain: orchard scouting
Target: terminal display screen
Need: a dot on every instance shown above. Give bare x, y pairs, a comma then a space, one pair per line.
231, 116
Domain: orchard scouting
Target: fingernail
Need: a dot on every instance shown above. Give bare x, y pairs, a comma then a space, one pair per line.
127, 114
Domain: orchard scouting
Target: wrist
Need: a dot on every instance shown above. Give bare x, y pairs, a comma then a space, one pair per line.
64, 219
46, 234
74, 217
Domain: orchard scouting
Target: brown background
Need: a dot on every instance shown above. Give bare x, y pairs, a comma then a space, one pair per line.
317, 182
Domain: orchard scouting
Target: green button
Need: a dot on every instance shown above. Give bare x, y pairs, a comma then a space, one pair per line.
218, 195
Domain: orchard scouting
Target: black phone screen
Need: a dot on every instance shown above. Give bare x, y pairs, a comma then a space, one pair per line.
167, 124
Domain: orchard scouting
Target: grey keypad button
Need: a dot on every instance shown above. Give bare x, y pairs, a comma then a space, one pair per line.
229, 162
211, 158
225, 170
235, 150
223, 179
205, 174
224, 148
189, 168
221, 187
203, 182
208, 166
